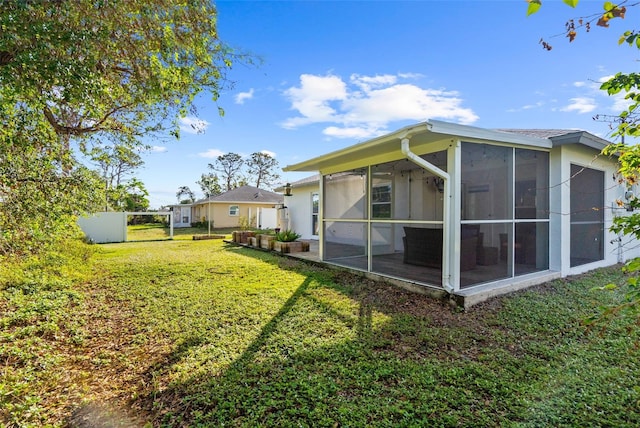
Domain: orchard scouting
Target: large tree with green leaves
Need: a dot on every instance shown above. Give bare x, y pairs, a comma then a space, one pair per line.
210, 184
75, 73
229, 166
185, 195
116, 163
627, 124
263, 167
233, 171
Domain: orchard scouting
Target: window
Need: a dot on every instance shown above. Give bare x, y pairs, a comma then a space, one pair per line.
315, 209
345, 195
505, 202
587, 215
381, 200
234, 210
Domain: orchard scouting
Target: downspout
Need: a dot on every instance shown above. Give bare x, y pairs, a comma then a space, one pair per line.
446, 260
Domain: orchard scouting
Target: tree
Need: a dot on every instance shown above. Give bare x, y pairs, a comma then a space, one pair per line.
185, 191
136, 194
229, 166
76, 73
628, 155
210, 184
115, 164
235, 172
262, 167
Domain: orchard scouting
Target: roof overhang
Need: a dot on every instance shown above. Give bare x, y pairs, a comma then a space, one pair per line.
420, 135
580, 137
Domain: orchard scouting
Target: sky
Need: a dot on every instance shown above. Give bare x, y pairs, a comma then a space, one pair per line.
330, 74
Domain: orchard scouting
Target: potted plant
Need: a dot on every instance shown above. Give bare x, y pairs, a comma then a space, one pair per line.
287, 242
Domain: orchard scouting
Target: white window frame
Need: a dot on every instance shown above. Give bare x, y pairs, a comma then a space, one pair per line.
386, 193
315, 213
234, 210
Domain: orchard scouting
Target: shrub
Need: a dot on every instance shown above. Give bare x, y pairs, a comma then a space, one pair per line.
245, 223
287, 236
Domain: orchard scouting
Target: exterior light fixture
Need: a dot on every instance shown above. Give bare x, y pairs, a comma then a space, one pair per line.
287, 189
439, 184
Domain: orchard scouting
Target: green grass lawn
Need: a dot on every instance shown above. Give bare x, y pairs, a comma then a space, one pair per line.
200, 333
157, 232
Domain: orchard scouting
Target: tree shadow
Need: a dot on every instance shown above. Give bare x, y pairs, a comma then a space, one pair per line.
344, 350
334, 354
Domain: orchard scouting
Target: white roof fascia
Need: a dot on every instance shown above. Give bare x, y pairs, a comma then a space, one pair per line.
396, 135
581, 137
466, 131
445, 129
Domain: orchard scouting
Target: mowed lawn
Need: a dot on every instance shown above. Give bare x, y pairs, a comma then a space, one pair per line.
202, 333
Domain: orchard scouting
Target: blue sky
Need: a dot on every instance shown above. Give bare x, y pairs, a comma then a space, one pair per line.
335, 73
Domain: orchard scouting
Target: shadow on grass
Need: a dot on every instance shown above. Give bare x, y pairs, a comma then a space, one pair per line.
343, 350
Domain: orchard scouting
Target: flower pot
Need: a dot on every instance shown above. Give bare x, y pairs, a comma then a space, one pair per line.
242, 236
290, 247
266, 241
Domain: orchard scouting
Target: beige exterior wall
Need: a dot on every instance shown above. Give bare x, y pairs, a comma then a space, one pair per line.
219, 212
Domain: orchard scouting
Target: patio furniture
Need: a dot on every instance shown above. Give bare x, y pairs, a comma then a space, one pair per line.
423, 247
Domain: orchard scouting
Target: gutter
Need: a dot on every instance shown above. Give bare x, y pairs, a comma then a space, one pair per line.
446, 260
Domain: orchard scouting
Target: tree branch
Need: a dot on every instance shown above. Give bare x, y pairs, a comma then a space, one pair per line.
5, 58
80, 130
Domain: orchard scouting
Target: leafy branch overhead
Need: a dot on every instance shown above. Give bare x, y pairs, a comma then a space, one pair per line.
627, 155
602, 19
75, 75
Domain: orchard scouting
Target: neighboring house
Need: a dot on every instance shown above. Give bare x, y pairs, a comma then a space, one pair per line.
471, 211
262, 208
181, 215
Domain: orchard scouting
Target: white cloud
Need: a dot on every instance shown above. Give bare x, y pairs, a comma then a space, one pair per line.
353, 133
366, 83
619, 102
268, 152
410, 75
311, 99
157, 149
193, 125
365, 107
211, 154
579, 84
243, 96
605, 78
580, 105
539, 104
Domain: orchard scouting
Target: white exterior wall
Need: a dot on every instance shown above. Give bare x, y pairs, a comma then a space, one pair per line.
561, 160
105, 227
299, 206
180, 213
559, 203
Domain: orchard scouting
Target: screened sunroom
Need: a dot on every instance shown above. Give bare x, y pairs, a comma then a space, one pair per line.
388, 218
453, 207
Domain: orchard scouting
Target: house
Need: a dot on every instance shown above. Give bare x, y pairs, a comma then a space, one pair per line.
305, 205
261, 208
181, 215
468, 211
